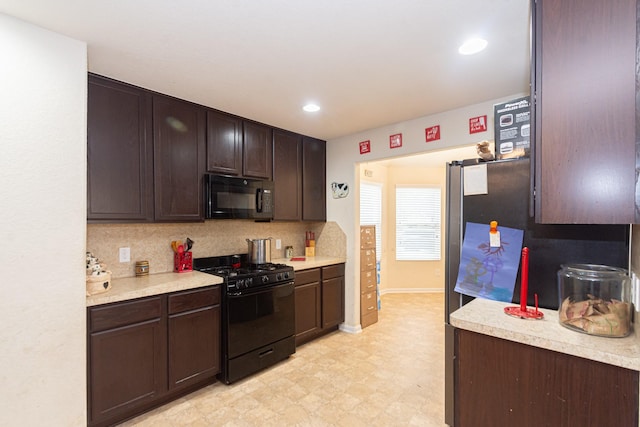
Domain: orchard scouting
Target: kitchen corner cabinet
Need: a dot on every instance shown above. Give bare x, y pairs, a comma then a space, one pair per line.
319, 294
238, 147
149, 351
287, 175
314, 203
179, 156
119, 152
584, 111
500, 383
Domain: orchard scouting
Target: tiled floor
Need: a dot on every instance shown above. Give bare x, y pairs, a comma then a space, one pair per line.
391, 374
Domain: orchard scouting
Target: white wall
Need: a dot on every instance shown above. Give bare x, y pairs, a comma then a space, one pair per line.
343, 159
42, 206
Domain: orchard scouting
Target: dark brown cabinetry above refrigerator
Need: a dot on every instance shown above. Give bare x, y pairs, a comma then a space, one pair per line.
584, 111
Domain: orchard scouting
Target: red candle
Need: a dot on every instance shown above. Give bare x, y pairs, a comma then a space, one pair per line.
524, 279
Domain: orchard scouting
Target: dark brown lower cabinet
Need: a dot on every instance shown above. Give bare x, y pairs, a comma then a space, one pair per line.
146, 352
127, 357
332, 296
194, 336
308, 304
319, 296
501, 383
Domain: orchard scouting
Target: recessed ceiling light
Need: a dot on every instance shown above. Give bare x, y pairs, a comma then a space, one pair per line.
472, 46
311, 108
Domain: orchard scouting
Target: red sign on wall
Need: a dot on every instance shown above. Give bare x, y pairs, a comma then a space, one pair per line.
395, 141
365, 147
478, 124
432, 133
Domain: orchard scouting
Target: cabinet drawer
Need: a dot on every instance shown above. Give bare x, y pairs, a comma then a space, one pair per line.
124, 313
367, 236
307, 276
368, 303
369, 319
367, 259
367, 281
331, 271
190, 300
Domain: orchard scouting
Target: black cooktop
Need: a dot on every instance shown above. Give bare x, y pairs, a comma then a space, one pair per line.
239, 273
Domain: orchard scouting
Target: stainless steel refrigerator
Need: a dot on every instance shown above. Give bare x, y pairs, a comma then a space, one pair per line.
550, 245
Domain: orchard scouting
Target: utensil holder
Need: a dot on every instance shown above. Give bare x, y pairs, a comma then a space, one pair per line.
182, 262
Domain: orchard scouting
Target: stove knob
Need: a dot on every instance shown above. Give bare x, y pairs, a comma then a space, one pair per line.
265, 279
278, 276
248, 282
286, 275
240, 284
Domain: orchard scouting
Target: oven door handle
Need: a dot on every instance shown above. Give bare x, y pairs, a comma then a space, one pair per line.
252, 291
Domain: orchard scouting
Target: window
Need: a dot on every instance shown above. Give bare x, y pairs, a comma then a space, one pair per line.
371, 210
417, 223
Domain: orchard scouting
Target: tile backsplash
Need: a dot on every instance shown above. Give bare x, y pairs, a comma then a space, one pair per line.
152, 242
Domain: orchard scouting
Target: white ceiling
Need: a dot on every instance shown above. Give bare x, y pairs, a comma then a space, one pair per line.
367, 63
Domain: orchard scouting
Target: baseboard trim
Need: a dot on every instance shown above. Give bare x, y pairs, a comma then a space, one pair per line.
412, 291
350, 329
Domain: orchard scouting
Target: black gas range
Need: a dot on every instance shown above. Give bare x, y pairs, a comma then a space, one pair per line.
258, 313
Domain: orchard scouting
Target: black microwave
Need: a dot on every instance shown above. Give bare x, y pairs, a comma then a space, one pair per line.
242, 198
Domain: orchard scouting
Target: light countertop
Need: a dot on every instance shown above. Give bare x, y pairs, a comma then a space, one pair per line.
309, 262
487, 317
128, 288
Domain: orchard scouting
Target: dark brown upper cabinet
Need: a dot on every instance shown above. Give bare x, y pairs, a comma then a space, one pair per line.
238, 147
224, 143
179, 159
314, 203
257, 150
287, 175
119, 152
584, 113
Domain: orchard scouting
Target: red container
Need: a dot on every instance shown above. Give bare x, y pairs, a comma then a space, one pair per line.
182, 262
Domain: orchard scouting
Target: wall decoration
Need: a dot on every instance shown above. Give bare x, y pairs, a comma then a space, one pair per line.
432, 133
339, 190
395, 141
478, 124
365, 147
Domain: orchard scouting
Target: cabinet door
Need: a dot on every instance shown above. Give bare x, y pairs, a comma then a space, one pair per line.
313, 180
308, 306
332, 302
584, 111
178, 131
287, 175
257, 151
501, 383
224, 143
119, 152
127, 368
194, 346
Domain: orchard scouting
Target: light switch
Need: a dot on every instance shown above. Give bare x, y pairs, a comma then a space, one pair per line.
125, 254
278, 244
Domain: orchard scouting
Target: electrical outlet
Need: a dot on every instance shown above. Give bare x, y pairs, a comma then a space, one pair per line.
125, 254
278, 244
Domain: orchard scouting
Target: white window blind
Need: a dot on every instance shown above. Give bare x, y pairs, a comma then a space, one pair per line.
371, 210
417, 223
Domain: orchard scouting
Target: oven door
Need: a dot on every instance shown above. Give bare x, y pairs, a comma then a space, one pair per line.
259, 317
